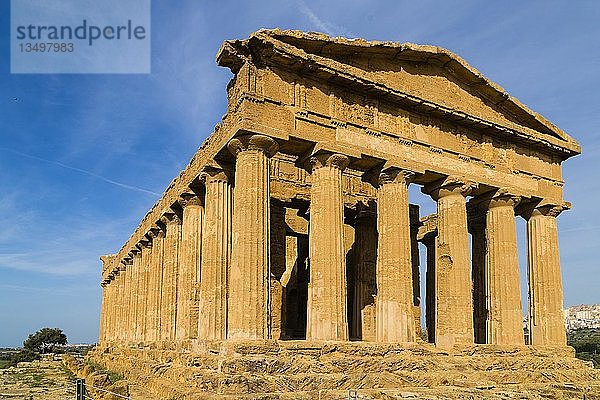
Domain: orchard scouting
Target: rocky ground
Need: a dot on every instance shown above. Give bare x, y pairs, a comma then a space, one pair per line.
49, 379
38, 380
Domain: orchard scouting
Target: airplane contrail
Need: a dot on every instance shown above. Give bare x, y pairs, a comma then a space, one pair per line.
83, 171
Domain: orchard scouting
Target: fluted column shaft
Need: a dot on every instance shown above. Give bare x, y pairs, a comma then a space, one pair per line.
216, 248
143, 291
504, 291
103, 313
454, 304
248, 307
110, 331
114, 307
106, 311
327, 307
113, 295
125, 294
123, 303
546, 320
189, 268
134, 289
155, 286
170, 270
394, 301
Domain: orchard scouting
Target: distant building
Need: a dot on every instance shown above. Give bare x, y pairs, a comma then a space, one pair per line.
582, 316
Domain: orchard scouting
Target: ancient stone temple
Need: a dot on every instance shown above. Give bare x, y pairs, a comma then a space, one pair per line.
290, 234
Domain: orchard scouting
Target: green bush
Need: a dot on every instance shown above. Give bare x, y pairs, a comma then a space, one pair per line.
24, 355
586, 343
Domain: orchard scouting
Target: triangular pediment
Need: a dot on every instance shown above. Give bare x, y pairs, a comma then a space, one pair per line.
431, 78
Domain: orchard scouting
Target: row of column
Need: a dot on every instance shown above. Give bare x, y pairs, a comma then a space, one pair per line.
174, 286
480, 301
206, 275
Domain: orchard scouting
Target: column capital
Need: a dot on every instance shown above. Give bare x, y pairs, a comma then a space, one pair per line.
214, 173
428, 228
261, 143
153, 233
396, 175
135, 253
326, 159
107, 260
545, 209
449, 186
170, 219
189, 199
146, 244
496, 198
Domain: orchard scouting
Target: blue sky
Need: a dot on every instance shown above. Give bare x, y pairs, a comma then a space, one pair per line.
83, 157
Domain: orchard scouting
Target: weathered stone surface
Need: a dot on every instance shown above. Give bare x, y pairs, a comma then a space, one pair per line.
546, 319
170, 268
215, 255
453, 286
247, 314
306, 369
394, 300
505, 314
189, 267
327, 318
278, 229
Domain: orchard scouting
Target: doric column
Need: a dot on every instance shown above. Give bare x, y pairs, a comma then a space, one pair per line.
454, 304
216, 248
155, 285
107, 261
170, 270
103, 313
476, 224
249, 303
189, 267
133, 288
125, 296
143, 291
107, 309
112, 296
394, 301
546, 320
505, 324
365, 250
327, 315
122, 301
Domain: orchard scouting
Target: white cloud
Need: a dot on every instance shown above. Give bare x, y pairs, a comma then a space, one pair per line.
320, 24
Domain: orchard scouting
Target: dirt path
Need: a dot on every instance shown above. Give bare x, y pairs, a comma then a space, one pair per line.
38, 380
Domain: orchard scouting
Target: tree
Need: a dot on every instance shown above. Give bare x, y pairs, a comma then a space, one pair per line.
45, 340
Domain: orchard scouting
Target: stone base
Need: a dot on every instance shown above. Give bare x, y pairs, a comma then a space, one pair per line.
328, 370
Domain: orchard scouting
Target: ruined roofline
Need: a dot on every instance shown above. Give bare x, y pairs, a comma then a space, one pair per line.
316, 49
